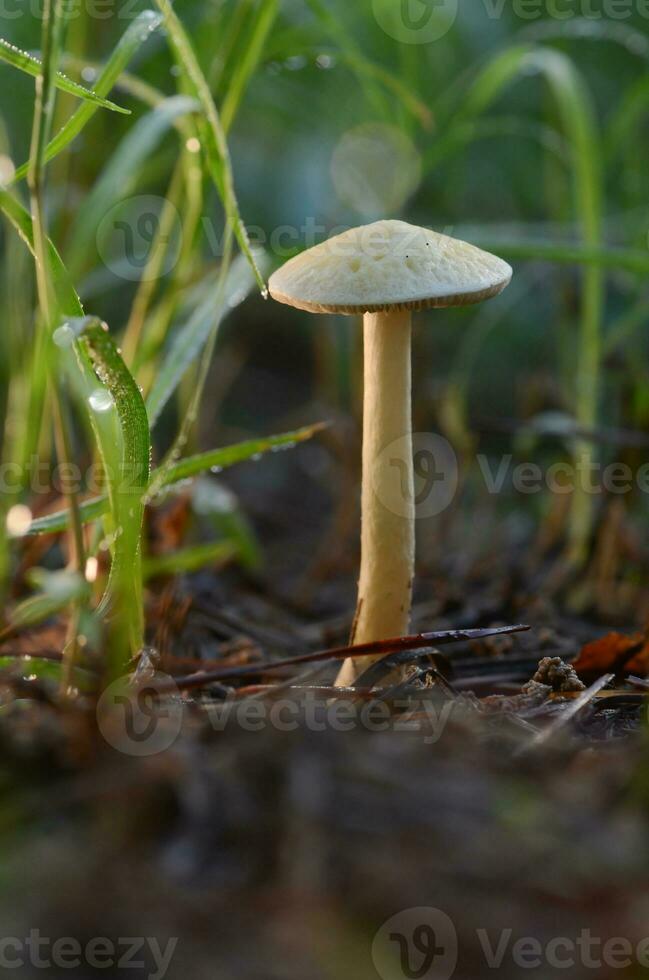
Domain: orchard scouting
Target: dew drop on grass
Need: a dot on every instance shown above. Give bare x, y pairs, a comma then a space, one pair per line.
101, 400
18, 520
63, 336
216, 469
89, 75
295, 62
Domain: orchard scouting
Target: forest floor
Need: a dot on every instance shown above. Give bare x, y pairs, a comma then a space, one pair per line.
274, 833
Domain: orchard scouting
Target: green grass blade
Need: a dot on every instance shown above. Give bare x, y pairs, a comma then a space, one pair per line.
190, 340
623, 124
579, 125
90, 510
214, 460
120, 174
247, 64
129, 483
67, 299
629, 259
47, 670
32, 66
47, 603
190, 559
131, 41
211, 130
353, 54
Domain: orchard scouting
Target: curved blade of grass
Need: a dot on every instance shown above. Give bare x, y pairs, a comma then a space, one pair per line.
211, 132
39, 607
588, 29
578, 122
190, 415
352, 52
629, 259
97, 349
67, 299
130, 42
454, 140
364, 67
32, 66
219, 459
119, 176
52, 35
245, 66
190, 559
90, 510
129, 482
186, 469
624, 120
373, 77
191, 338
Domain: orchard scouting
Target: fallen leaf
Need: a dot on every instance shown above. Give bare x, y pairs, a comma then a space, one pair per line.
614, 652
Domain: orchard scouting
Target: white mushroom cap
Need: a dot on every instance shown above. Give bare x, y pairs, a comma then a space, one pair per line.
388, 265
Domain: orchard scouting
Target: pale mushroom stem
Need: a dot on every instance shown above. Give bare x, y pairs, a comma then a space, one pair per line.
387, 503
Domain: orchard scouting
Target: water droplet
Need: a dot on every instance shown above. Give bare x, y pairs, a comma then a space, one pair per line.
101, 400
18, 520
63, 336
295, 63
89, 75
325, 61
175, 70
216, 469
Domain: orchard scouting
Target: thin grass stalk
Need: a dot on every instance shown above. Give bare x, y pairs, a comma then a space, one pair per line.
191, 414
51, 35
153, 269
579, 124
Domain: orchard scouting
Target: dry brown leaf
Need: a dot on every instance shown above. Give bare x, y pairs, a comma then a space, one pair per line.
614, 652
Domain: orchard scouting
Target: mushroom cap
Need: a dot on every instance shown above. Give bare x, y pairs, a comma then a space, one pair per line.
388, 265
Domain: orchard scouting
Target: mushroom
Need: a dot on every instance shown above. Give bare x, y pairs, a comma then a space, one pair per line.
386, 270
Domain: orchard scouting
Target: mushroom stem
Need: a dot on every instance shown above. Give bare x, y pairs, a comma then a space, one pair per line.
387, 503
